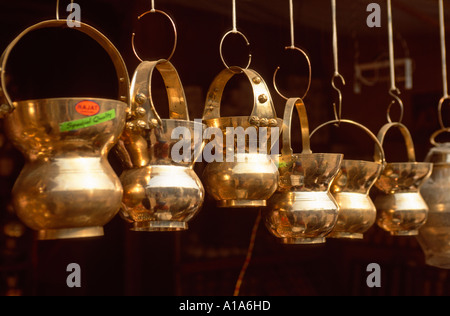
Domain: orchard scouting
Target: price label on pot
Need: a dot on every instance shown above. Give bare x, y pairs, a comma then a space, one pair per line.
87, 108
87, 122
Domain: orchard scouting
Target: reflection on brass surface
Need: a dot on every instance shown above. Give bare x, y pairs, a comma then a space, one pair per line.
303, 211
162, 192
401, 208
357, 213
250, 182
67, 188
434, 236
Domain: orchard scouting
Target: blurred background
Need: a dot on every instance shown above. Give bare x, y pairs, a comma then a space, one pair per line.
206, 259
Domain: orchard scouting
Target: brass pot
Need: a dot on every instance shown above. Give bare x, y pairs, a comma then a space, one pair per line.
244, 175
402, 211
162, 192
434, 236
67, 188
303, 211
357, 212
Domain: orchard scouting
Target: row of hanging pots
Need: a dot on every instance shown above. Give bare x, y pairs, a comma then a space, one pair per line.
67, 188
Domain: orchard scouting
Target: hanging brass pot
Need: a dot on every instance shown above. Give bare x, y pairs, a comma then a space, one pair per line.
402, 210
357, 213
162, 192
249, 177
434, 236
67, 188
303, 211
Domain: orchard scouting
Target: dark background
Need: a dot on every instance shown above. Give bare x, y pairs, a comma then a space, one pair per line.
206, 259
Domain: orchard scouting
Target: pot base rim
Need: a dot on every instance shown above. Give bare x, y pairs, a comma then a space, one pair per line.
241, 203
70, 233
159, 226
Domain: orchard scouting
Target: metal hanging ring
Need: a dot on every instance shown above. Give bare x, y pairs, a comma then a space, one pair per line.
309, 73
221, 49
441, 103
174, 30
394, 93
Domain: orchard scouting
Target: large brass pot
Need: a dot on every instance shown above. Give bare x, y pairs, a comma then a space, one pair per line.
162, 192
357, 213
402, 211
67, 188
244, 175
434, 236
303, 211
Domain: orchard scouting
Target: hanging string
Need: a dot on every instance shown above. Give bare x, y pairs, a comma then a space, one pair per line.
249, 255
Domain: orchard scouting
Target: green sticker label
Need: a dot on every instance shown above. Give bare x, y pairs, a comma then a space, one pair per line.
87, 122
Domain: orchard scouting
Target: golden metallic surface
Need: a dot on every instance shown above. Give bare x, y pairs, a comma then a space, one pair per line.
351, 188
161, 198
402, 210
434, 236
357, 213
251, 177
303, 211
161, 192
67, 188
247, 182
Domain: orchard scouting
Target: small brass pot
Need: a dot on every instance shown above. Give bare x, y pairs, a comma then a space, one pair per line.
162, 192
434, 236
67, 188
402, 211
303, 211
357, 212
245, 176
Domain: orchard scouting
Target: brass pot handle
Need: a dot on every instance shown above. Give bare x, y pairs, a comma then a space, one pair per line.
287, 122
436, 134
406, 135
379, 152
119, 64
141, 92
263, 113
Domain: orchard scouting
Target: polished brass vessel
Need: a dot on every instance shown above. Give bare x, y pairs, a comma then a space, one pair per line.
357, 213
303, 211
242, 176
402, 210
434, 236
162, 192
67, 188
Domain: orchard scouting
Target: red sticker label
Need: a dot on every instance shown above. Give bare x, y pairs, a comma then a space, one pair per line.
87, 108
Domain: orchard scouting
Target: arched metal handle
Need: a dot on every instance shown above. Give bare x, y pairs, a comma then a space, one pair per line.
119, 64
379, 153
406, 135
263, 113
287, 122
141, 92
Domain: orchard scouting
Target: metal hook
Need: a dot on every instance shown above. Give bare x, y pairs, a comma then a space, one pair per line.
234, 30
395, 94
174, 30
338, 114
57, 8
309, 70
